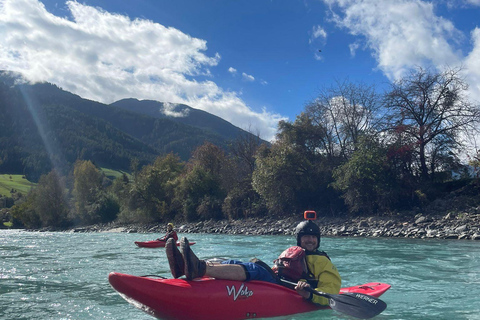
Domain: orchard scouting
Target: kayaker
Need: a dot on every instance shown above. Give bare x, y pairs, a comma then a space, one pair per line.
171, 233
320, 274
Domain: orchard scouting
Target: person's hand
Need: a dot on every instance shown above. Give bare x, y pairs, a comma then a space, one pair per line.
300, 288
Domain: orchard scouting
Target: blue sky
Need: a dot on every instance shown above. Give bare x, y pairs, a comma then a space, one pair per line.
251, 62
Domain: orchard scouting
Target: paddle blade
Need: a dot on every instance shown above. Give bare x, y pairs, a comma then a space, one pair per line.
357, 305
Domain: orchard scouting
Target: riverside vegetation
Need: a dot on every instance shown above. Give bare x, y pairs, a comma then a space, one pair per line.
398, 174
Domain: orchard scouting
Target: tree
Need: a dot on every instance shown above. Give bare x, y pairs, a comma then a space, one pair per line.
340, 115
207, 180
214, 161
365, 180
242, 200
429, 111
277, 176
296, 172
153, 190
244, 149
88, 191
200, 194
50, 200
44, 206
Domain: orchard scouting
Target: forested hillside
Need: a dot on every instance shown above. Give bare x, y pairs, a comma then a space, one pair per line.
182, 114
43, 126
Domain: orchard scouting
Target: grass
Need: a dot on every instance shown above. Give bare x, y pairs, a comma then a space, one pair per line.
22, 185
113, 174
16, 182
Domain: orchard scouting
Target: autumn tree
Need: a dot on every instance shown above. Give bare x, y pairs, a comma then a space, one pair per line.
296, 172
428, 111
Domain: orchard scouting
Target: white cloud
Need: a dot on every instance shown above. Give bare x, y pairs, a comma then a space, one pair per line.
169, 109
404, 34
472, 66
248, 77
106, 57
353, 48
318, 33
232, 70
474, 2
401, 34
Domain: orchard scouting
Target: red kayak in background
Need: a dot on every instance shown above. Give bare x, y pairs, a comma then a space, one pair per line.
155, 244
209, 299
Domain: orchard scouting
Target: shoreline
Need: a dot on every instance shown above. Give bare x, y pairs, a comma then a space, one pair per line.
461, 226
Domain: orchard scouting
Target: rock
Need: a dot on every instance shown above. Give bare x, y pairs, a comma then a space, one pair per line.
422, 219
449, 216
431, 233
450, 236
362, 224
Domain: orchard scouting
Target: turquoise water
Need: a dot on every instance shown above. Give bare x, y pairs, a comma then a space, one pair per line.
64, 275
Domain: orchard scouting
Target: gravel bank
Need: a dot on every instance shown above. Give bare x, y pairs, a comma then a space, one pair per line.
462, 226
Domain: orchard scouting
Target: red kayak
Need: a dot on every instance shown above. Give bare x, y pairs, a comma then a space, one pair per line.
209, 299
155, 244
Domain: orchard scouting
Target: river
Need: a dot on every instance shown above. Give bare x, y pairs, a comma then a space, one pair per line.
55, 275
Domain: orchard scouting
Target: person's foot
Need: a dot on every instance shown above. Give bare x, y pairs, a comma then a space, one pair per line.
194, 267
175, 259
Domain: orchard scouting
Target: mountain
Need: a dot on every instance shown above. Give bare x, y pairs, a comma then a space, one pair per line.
44, 127
181, 113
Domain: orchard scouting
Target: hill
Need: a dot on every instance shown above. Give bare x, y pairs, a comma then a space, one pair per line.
183, 114
43, 126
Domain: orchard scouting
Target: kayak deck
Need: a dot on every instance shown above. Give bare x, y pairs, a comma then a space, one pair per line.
207, 298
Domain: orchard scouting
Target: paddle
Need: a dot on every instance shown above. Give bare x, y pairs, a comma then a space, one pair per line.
358, 305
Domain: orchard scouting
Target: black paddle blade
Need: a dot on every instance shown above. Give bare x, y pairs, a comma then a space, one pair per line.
357, 305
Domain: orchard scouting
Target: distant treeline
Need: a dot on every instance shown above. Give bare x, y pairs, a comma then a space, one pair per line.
352, 151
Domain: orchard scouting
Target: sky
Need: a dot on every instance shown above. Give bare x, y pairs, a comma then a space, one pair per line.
250, 62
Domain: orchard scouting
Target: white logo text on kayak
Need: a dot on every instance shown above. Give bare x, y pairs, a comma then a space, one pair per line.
242, 292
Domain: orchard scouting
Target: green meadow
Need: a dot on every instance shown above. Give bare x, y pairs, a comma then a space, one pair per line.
16, 182
113, 174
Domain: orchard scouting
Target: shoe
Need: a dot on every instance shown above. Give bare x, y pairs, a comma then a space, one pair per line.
175, 259
194, 267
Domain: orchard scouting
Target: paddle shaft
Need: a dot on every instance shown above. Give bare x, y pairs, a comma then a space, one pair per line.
358, 305
309, 289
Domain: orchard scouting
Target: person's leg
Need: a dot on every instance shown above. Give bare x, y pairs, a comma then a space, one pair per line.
175, 259
194, 267
226, 272
230, 271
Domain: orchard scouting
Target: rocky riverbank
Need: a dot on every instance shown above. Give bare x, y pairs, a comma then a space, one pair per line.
462, 226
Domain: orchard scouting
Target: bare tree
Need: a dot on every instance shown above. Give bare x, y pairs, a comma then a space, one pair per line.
431, 110
342, 113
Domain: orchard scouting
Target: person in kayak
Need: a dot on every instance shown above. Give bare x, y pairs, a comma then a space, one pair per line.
320, 274
171, 233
